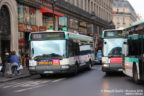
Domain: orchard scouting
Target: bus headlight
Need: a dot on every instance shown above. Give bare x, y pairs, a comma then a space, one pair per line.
32, 63
105, 65
65, 67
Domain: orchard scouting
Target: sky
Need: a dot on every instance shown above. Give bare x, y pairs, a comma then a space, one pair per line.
138, 5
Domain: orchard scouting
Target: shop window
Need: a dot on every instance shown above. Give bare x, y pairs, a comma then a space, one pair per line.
20, 13
26, 14
63, 23
47, 20
32, 12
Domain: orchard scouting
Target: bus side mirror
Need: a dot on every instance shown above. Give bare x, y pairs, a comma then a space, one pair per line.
105, 42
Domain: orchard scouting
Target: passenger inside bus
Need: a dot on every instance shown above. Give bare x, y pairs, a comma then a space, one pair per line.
115, 51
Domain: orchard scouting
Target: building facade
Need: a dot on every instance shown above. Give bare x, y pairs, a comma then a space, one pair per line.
20, 17
123, 14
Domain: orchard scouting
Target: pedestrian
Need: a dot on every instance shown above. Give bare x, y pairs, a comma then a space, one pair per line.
15, 63
0, 63
6, 60
27, 58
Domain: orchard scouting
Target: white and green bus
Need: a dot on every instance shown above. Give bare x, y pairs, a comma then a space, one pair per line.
133, 52
59, 52
113, 41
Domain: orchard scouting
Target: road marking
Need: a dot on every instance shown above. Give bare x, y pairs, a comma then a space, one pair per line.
22, 90
58, 80
37, 86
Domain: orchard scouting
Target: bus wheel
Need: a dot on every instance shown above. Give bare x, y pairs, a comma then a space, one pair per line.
135, 75
75, 70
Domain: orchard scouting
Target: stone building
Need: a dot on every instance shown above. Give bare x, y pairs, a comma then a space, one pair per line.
123, 14
20, 17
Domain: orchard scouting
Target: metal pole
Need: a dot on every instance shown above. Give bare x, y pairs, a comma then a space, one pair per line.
53, 7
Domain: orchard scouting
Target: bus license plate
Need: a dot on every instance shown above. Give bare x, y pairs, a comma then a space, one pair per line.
48, 72
50, 63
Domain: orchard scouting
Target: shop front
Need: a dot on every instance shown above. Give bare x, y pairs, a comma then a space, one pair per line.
47, 17
8, 26
83, 28
63, 24
73, 25
27, 24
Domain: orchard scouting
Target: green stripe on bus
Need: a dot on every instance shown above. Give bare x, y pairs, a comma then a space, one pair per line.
132, 60
135, 37
66, 36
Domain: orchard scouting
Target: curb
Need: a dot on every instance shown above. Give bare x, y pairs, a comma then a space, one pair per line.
14, 78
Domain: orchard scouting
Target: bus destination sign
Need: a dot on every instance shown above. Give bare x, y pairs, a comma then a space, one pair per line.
48, 35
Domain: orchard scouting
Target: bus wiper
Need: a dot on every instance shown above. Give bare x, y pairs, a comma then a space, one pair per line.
44, 56
56, 56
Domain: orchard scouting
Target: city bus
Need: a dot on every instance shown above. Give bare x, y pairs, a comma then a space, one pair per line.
59, 52
133, 52
113, 41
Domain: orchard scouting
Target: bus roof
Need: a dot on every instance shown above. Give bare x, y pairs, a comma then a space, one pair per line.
69, 35
135, 25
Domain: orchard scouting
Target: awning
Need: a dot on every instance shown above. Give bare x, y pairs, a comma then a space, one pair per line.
43, 10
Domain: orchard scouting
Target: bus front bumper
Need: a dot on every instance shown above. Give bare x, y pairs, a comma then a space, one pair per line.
112, 67
51, 69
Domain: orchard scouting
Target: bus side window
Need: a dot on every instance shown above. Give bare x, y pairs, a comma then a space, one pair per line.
71, 49
77, 49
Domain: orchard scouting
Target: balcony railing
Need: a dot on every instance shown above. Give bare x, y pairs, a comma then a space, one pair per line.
79, 11
34, 3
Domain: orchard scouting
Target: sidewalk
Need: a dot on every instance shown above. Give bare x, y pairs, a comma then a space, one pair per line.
24, 73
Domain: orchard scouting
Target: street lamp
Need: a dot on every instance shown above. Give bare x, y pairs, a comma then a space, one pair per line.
53, 8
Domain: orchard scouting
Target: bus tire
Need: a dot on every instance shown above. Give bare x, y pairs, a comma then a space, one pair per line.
43, 75
75, 71
107, 73
135, 75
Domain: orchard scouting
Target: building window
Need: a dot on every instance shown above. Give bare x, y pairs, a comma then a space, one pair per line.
85, 5
32, 12
47, 21
81, 4
20, 12
26, 15
91, 7
73, 2
118, 22
63, 22
88, 5
123, 20
77, 3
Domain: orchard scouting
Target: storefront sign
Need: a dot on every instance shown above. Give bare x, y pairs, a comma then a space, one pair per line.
42, 28
82, 24
27, 28
20, 27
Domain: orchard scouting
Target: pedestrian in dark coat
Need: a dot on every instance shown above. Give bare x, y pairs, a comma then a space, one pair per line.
6, 60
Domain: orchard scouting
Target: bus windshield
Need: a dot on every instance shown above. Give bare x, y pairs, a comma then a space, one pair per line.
113, 47
50, 49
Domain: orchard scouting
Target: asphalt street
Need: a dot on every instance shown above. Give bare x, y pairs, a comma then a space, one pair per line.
86, 83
